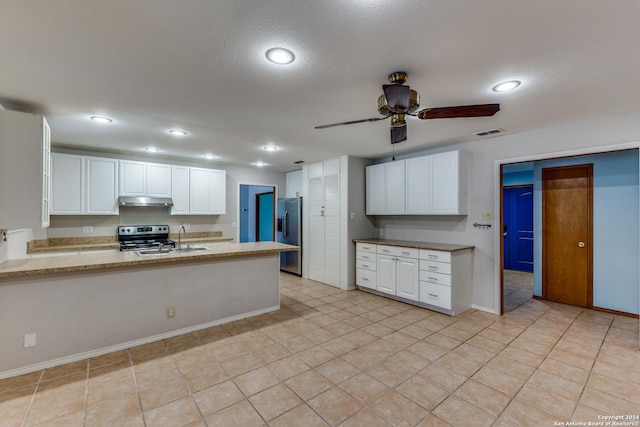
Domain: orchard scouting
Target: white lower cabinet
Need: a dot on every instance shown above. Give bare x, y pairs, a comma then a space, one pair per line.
366, 266
438, 280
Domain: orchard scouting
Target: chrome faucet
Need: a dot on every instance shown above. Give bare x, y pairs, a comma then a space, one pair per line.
180, 230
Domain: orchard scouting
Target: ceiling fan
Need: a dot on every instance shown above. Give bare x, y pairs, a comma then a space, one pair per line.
399, 101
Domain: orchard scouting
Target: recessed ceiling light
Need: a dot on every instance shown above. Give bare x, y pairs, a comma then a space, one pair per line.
270, 148
505, 86
100, 119
280, 55
209, 156
259, 164
152, 149
177, 132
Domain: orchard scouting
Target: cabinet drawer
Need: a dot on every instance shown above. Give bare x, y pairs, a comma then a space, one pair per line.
432, 255
366, 265
366, 278
366, 247
435, 267
432, 293
366, 256
398, 251
439, 278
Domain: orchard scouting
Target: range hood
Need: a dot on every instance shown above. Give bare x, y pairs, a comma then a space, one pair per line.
158, 202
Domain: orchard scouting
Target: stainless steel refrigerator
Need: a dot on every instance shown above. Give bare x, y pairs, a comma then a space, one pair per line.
290, 232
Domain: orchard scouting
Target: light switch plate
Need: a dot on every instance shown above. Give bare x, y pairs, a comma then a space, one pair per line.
487, 216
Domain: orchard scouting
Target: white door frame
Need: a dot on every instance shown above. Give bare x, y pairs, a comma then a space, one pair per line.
275, 201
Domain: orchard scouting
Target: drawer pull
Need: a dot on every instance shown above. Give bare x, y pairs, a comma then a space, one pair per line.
433, 256
364, 279
365, 248
385, 250
365, 257
433, 295
406, 253
433, 278
365, 265
431, 267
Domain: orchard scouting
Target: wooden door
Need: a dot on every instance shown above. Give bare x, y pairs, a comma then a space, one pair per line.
567, 224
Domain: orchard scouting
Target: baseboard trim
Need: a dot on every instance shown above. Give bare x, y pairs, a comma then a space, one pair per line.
619, 313
483, 308
605, 310
134, 343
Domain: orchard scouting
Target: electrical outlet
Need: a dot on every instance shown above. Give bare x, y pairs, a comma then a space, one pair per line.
353, 215
87, 229
30, 340
171, 312
381, 232
487, 216
233, 225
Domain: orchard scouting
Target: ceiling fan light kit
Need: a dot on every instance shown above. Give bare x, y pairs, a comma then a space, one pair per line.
399, 100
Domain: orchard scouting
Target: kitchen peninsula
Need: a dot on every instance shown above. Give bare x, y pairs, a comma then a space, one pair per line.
92, 303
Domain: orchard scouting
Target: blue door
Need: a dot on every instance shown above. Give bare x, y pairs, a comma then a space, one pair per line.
265, 217
518, 228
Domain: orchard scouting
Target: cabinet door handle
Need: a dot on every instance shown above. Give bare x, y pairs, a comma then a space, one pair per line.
364, 279
365, 257
433, 278
385, 250
365, 265
431, 267
433, 295
406, 253
433, 256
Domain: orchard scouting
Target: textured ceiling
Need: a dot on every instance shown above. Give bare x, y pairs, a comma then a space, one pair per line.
199, 65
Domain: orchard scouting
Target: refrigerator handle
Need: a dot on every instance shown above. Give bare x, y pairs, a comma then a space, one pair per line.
285, 226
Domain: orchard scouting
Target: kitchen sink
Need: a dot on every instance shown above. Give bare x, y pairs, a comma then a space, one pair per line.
147, 252
190, 248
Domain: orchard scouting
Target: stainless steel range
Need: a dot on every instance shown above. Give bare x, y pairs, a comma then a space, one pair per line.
133, 237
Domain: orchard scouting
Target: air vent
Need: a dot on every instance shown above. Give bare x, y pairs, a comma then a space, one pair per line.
298, 162
489, 132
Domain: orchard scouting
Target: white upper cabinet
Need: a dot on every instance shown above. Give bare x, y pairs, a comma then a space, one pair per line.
448, 183
217, 192
67, 184
426, 185
101, 186
46, 172
417, 190
383, 184
207, 191
82, 185
180, 190
158, 180
133, 178
144, 179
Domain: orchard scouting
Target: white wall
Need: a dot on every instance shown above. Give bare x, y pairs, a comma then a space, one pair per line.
105, 225
21, 172
593, 135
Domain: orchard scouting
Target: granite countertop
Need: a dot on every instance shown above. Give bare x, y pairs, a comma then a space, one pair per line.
446, 247
113, 244
96, 261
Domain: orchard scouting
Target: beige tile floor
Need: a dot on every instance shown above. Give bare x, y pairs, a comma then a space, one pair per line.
518, 288
330, 357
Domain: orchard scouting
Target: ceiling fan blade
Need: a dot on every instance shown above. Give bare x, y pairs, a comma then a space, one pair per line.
479, 110
397, 97
398, 134
375, 119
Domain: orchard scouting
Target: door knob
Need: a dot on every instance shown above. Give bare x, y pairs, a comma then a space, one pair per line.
581, 244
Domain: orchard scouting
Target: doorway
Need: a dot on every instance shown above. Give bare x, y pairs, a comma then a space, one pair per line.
256, 214
567, 229
265, 214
